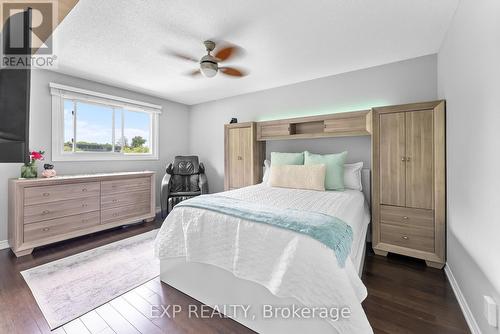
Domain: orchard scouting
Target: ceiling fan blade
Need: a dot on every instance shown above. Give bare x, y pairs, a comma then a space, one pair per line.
231, 71
194, 73
183, 56
228, 52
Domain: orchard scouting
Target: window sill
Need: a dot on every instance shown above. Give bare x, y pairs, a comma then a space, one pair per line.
103, 157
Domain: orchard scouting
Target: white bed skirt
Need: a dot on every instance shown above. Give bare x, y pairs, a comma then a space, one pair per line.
219, 288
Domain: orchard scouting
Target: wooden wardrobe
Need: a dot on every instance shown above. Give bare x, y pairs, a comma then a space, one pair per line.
243, 155
408, 200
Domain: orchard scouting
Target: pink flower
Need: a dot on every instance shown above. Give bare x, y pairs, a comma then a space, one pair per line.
37, 155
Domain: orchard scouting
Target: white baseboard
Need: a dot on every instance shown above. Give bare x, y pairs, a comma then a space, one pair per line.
469, 317
4, 244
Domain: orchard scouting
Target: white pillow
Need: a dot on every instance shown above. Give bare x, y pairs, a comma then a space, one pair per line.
352, 176
310, 177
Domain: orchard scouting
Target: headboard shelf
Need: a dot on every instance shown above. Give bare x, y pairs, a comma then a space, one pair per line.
354, 123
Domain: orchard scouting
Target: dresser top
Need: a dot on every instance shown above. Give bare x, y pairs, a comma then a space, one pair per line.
81, 177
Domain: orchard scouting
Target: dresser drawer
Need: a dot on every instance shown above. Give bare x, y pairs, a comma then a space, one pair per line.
394, 215
407, 236
47, 194
123, 199
126, 212
40, 212
125, 185
57, 229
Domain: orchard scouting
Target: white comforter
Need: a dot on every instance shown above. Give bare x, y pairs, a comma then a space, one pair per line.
287, 263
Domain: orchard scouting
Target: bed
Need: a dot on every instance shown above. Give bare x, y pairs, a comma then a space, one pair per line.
259, 274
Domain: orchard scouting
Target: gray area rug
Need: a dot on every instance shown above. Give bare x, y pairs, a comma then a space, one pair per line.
70, 287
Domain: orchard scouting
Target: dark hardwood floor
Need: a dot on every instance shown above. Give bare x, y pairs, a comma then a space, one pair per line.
404, 296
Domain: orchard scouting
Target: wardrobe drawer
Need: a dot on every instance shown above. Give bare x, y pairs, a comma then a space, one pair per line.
125, 185
126, 212
47, 194
41, 212
57, 229
394, 215
409, 237
123, 199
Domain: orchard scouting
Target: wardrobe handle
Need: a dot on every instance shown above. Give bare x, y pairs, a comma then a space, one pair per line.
403, 159
407, 158
405, 217
240, 158
404, 237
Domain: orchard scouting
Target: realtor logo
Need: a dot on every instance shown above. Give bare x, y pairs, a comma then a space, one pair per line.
27, 33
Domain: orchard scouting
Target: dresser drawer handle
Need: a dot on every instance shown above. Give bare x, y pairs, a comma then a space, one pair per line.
46, 229
46, 194
116, 214
84, 189
404, 237
405, 217
45, 212
115, 200
84, 205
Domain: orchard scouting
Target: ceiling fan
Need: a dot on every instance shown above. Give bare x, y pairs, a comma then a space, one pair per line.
209, 64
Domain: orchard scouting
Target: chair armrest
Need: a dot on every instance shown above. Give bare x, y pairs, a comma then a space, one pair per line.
202, 180
164, 193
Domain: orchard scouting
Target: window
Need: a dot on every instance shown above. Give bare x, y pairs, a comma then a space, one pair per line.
93, 126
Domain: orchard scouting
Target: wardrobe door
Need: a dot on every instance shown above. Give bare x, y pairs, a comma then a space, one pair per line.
235, 160
420, 159
392, 159
246, 157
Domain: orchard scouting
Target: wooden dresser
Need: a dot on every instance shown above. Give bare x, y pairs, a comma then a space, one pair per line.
408, 199
43, 211
243, 155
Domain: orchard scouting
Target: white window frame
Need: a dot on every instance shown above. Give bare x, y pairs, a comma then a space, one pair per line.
61, 92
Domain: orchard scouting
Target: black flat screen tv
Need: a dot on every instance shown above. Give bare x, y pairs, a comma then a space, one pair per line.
15, 91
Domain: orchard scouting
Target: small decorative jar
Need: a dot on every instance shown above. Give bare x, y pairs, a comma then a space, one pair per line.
48, 171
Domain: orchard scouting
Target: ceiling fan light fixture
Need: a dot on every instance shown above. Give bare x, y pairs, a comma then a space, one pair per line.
209, 66
208, 69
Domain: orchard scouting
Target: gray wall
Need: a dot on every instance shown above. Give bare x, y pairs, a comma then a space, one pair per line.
174, 123
469, 72
402, 82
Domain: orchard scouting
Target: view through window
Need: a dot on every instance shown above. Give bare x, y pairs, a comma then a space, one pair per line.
99, 128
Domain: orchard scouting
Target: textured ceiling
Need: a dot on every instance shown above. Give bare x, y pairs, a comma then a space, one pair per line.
126, 43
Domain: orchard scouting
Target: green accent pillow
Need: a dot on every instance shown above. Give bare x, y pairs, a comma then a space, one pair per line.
279, 159
334, 179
